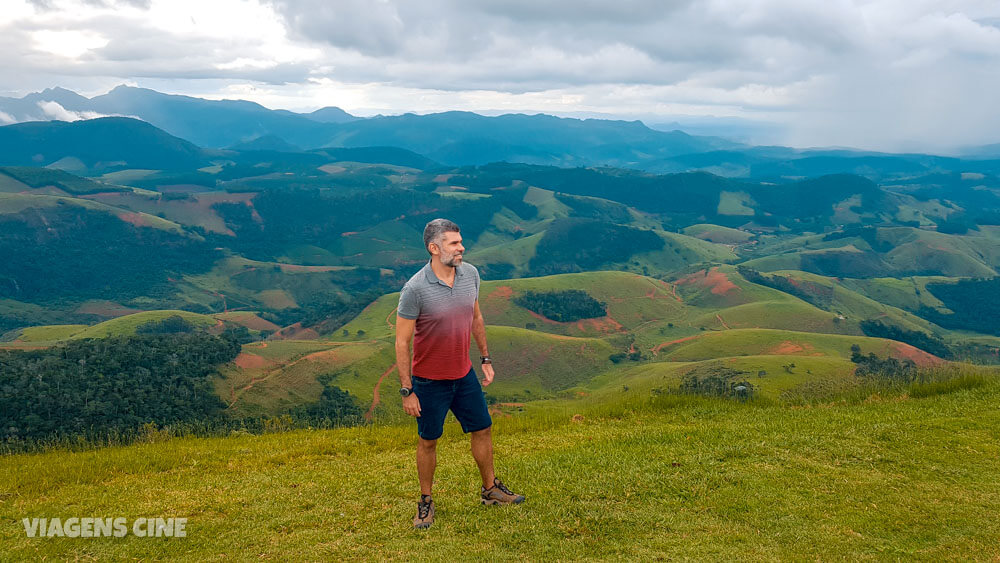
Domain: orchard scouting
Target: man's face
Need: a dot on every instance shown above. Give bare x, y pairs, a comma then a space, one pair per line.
450, 249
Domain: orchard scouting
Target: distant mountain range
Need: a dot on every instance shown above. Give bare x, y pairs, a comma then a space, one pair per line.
452, 137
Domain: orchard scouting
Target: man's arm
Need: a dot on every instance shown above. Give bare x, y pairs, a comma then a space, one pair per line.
404, 335
479, 334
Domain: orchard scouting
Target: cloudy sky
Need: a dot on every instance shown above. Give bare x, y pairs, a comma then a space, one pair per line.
884, 74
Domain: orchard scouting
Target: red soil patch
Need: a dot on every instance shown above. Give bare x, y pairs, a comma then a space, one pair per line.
603, 324
137, 219
544, 319
252, 361
713, 279
502, 292
917, 356
295, 332
722, 322
789, 348
656, 349
388, 318
348, 233
376, 398
253, 322
673, 291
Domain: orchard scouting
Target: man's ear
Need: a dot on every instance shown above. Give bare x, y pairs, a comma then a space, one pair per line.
433, 248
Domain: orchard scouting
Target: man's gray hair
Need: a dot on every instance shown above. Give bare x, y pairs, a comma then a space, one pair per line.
434, 230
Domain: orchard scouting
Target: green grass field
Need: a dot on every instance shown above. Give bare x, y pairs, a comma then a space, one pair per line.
16, 203
735, 203
718, 233
124, 326
121, 326
637, 477
49, 333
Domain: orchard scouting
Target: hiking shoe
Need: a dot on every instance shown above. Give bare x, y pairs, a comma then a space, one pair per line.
425, 513
499, 494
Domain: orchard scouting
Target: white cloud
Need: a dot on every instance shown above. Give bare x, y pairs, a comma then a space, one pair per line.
54, 110
68, 43
6, 118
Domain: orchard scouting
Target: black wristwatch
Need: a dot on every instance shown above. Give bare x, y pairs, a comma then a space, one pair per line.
486, 360
405, 391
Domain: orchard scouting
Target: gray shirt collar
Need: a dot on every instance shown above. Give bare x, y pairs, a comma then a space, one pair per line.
432, 277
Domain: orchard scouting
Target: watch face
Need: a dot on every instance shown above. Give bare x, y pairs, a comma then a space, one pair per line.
405, 392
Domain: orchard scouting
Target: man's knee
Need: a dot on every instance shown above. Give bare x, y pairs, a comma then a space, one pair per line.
484, 433
427, 445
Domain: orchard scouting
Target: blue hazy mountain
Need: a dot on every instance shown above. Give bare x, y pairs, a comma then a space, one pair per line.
267, 143
456, 137
331, 114
449, 137
463, 138
97, 144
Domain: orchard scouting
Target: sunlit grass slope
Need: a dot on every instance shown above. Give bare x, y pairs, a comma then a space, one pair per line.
121, 326
641, 479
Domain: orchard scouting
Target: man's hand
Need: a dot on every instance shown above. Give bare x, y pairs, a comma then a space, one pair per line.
487, 374
411, 404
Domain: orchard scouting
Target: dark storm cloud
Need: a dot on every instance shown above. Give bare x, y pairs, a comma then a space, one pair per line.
525, 44
872, 72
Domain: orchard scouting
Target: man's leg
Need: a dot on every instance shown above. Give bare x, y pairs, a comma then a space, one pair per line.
426, 462
482, 451
469, 406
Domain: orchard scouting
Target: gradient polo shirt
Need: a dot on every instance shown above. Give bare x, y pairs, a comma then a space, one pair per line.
444, 321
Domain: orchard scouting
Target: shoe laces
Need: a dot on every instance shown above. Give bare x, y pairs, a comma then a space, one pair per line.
498, 484
423, 509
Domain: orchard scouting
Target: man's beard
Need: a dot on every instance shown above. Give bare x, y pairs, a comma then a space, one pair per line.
452, 260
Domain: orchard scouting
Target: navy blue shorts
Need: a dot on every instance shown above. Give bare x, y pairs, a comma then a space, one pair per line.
463, 396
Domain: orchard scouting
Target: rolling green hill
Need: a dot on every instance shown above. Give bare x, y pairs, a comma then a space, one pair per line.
121, 326
876, 252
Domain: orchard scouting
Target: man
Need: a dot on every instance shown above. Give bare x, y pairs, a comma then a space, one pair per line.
438, 309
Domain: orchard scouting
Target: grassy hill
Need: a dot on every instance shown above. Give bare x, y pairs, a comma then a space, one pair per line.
718, 234
126, 325
755, 342
121, 326
97, 143
707, 315
630, 478
881, 251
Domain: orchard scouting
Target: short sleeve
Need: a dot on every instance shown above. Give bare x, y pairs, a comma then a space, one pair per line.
409, 303
476, 272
